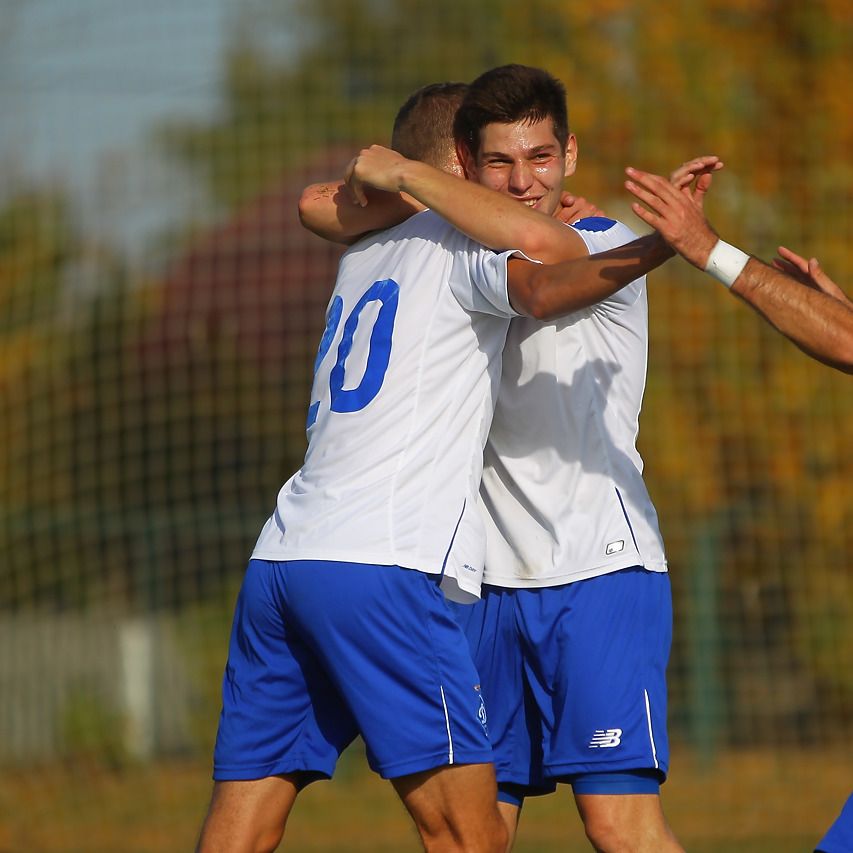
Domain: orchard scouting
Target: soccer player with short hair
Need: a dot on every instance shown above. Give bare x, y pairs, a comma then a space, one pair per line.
573, 631
340, 627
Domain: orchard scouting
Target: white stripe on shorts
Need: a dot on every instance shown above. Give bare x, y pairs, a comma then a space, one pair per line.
447, 724
651, 734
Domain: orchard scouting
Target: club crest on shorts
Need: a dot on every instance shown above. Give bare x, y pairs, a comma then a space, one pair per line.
481, 711
605, 738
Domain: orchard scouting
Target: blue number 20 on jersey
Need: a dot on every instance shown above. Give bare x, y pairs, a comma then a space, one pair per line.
386, 292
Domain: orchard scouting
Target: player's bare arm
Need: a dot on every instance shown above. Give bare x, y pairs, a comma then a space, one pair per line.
329, 211
804, 307
821, 325
490, 218
546, 291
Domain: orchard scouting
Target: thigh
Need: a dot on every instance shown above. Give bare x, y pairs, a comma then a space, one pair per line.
626, 822
514, 723
280, 712
455, 807
388, 642
598, 651
248, 815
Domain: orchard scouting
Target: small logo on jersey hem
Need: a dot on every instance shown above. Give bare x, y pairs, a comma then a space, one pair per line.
614, 547
606, 738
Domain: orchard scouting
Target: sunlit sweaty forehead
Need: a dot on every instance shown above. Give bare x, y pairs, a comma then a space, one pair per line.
520, 139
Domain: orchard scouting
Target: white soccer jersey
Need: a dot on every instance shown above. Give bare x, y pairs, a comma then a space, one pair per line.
562, 490
403, 395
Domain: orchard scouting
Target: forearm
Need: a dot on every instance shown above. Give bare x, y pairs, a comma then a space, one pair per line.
329, 211
549, 291
490, 218
820, 325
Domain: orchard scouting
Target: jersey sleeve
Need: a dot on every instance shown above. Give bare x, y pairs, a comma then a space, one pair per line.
477, 275
479, 279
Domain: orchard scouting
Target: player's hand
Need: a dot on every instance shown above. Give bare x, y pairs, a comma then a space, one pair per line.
675, 213
684, 175
376, 167
574, 207
808, 272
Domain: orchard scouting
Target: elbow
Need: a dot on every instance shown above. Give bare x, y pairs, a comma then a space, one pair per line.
531, 300
539, 247
540, 308
306, 206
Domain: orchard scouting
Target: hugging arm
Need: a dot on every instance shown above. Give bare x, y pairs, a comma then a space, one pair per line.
486, 216
330, 211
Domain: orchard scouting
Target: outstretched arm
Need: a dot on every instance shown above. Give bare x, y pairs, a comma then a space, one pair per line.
809, 309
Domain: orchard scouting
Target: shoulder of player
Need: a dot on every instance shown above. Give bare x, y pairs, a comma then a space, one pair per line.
425, 224
604, 225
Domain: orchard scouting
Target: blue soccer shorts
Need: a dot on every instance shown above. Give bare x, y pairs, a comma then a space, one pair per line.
839, 837
323, 651
574, 678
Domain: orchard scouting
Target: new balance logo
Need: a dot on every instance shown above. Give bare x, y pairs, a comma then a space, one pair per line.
605, 738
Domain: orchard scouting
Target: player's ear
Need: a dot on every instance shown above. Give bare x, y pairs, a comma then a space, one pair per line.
467, 159
571, 155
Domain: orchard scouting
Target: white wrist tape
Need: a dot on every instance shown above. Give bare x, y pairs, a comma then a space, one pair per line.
726, 262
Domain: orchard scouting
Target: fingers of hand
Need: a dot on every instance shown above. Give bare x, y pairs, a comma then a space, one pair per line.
647, 217
647, 195
792, 257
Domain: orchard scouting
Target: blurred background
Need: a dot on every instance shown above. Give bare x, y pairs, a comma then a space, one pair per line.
160, 310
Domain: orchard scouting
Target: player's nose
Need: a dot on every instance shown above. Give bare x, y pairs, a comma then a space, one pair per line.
520, 177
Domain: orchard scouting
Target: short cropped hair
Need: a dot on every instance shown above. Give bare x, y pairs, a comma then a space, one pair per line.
509, 94
423, 128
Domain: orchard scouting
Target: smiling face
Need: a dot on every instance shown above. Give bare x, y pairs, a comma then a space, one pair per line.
523, 160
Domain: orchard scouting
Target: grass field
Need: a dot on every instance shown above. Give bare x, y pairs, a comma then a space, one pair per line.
750, 802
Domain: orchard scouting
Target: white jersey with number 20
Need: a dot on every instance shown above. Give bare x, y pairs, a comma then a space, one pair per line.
404, 389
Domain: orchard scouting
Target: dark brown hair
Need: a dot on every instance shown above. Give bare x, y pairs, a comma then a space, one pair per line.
509, 94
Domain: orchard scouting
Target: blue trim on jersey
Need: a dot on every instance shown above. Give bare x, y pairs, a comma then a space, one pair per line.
594, 223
